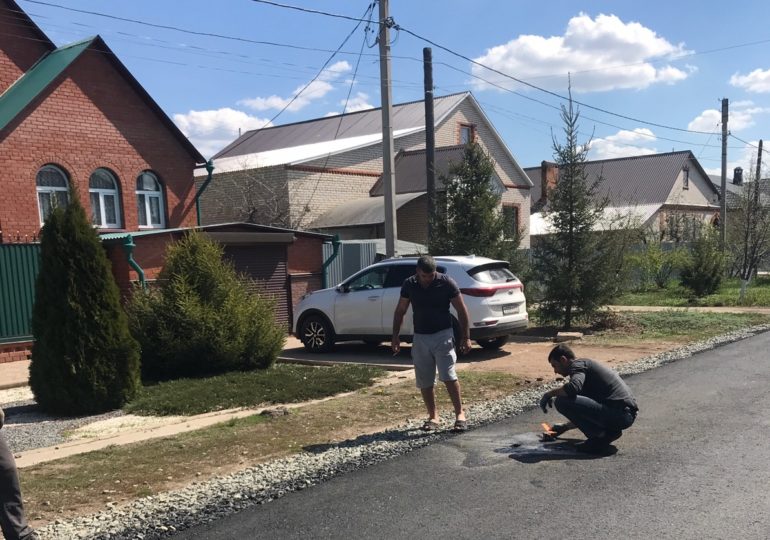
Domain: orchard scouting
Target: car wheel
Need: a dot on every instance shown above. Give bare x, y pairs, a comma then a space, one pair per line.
316, 334
493, 343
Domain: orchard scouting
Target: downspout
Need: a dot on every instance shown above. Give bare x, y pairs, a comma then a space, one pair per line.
336, 249
128, 246
210, 168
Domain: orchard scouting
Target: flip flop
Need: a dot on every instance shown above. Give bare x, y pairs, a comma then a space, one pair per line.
460, 425
430, 425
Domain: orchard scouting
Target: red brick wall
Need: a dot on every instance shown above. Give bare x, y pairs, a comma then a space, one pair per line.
20, 45
12, 352
301, 284
305, 255
89, 118
149, 254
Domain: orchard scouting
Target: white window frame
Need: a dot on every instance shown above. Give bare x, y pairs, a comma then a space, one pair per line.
50, 190
148, 196
102, 193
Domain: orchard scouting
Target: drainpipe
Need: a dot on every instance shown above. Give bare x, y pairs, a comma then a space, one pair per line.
336, 247
210, 168
128, 246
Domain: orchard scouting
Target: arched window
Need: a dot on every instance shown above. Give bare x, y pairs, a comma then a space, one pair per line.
52, 189
149, 200
105, 202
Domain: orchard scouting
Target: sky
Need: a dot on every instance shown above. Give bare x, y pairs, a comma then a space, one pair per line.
647, 76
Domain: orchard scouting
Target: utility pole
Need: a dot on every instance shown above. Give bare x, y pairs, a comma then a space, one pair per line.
388, 173
759, 162
723, 202
430, 139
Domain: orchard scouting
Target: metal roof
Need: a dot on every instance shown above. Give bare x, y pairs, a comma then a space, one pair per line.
411, 176
21, 93
406, 116
111, 237
612, 218
639, 180
366, 211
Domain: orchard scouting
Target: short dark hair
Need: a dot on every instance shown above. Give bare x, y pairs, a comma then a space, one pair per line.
426, 263
560, 350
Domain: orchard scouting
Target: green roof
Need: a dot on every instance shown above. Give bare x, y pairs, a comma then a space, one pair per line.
36, 80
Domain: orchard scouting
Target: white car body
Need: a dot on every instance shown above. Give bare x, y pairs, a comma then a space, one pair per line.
362, 306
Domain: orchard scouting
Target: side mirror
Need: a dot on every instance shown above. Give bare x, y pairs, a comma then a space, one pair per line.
343, 288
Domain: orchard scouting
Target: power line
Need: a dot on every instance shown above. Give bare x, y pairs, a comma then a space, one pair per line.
747, 143
314, 11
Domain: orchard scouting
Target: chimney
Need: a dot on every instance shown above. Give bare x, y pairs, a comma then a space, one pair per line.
738, 176
549, 174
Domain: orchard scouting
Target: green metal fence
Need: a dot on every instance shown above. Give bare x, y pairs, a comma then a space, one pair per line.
19, 264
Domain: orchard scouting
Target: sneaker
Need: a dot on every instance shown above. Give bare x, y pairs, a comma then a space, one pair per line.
595, 446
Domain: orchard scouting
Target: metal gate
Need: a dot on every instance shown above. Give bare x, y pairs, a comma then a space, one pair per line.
19, 265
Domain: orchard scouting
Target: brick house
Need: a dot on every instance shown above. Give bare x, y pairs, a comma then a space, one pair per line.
297, 174
74, 117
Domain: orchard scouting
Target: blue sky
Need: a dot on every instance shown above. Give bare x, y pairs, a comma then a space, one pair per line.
665, 63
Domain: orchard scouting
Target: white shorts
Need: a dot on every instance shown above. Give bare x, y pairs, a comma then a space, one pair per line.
431, 352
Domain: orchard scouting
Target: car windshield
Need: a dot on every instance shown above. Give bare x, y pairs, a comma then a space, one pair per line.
492, 273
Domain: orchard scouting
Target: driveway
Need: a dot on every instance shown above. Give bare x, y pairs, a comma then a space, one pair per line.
695, 465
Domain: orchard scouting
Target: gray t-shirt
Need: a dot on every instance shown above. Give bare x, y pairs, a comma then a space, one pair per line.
599, 382
430, 305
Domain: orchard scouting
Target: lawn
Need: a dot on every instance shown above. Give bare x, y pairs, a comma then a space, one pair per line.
674, 295
282, 383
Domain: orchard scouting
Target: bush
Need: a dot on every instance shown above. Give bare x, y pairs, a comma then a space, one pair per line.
655, 266
704, 268
202, 319
84, 359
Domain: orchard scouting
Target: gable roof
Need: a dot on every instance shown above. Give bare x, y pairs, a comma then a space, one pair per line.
359, 212
14, 11
52, 65
641, 180
411, 176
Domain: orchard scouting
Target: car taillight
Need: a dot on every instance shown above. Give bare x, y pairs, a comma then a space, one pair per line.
491, 290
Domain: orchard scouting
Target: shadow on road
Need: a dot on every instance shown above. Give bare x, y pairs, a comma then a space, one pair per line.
528, 448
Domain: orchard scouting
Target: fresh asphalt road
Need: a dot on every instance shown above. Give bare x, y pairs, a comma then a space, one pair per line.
696, 464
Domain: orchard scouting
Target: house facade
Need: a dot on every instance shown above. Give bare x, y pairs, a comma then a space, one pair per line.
304, 173
669, 194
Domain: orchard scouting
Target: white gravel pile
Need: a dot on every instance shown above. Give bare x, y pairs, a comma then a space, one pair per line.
160, 516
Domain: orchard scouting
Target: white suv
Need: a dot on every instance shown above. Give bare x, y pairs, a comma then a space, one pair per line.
361, 307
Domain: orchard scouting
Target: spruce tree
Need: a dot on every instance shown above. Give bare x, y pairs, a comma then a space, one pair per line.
84, 359
202, 319
468, 217
574, 264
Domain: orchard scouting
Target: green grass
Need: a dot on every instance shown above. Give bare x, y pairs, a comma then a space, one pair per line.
674, 295
283, 383
679, 325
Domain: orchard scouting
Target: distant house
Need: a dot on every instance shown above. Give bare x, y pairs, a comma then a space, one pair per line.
322, 173
736, 186
662, 192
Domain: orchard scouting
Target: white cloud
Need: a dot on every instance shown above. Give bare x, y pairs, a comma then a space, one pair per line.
314, 91
747, 160
360, 102
757, 81
740, 116
601, 54
212, 130
623, 144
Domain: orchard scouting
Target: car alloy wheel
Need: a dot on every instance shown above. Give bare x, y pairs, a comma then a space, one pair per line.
316, 334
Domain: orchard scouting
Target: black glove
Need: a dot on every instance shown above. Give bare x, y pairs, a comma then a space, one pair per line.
545, 402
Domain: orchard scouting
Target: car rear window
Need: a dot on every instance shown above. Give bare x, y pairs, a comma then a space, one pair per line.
492, 273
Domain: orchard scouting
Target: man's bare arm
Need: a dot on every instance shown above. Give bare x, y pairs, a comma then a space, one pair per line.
462, 314
398, 319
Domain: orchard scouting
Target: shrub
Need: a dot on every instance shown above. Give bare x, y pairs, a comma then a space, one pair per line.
704, 268
655, 266
84, 359
202, 319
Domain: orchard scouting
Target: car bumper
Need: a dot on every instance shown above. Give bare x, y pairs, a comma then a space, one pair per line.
502, 329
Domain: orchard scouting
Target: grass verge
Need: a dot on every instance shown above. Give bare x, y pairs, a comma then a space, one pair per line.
674, 295
282, 383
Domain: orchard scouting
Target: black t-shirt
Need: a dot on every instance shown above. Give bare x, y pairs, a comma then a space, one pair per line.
430, 305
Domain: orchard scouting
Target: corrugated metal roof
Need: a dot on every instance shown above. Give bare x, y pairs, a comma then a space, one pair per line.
411, 176
21, 93
540, 223
110, 237
638, 180
369, 122
367, 211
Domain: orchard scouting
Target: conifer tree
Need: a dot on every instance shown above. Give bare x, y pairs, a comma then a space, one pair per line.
84, 359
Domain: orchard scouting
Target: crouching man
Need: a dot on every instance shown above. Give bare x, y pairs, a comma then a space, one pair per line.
595, 400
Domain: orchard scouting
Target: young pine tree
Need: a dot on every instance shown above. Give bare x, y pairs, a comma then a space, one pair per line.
84, 359
574, 264
468, 218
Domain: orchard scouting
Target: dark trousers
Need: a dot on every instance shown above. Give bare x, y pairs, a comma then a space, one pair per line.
12, 520
594, 419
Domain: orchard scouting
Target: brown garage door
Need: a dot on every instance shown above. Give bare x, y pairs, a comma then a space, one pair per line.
266, 264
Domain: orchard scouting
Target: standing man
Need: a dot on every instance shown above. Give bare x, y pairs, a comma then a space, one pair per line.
595, 400
12, 520
430, 293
